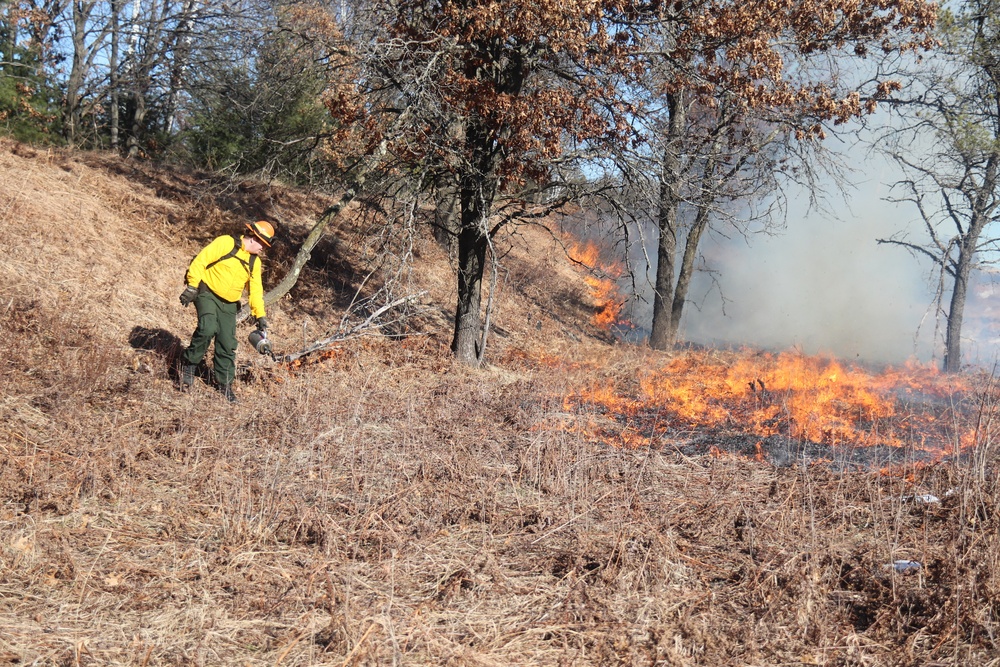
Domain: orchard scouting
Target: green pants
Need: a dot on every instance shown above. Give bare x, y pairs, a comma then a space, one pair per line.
216, 319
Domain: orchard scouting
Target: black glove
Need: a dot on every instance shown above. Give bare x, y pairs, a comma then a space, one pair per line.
262, 323
188, 295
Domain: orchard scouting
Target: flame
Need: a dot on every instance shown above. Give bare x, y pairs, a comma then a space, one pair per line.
602, 283
320, 357
808, 398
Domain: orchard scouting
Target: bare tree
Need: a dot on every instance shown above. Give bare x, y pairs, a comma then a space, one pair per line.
714, 162
155, 30
728, 110
90, 27
946, 138
114, 92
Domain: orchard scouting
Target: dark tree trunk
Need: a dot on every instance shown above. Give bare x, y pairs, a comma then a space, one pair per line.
472, 245
476, 193
661, 337
956, 310
663, 333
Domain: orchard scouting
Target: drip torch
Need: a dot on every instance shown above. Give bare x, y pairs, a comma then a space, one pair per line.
258, 340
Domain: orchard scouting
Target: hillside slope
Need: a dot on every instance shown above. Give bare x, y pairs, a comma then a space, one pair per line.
111, 240
378, 505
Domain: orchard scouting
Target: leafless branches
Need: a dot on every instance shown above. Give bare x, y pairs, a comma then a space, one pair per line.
946, 139
370, 324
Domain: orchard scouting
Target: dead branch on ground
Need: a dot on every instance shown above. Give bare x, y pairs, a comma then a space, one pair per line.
343, 334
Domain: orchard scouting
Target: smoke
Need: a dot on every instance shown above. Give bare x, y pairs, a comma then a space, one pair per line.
823, 284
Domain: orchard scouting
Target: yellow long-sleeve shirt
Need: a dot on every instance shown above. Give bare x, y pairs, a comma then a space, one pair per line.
230, 277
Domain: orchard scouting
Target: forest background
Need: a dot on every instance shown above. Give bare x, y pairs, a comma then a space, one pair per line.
698, 125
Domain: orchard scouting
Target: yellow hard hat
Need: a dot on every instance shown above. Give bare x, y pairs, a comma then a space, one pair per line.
263, 230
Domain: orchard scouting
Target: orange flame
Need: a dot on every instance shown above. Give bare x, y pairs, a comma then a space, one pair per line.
602, 284
810, 398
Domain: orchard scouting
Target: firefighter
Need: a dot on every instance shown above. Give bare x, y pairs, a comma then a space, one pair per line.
216, 279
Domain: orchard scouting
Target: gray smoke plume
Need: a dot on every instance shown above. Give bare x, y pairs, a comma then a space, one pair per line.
825, 286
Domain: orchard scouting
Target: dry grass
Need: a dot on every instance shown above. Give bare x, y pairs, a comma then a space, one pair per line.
381, 506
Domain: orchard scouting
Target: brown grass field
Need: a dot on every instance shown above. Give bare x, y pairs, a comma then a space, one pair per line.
378, 505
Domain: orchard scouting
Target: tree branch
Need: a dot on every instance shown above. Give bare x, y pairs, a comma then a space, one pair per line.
368, 323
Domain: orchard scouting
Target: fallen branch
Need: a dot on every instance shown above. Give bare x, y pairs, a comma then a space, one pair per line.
366, 165
344, 334
361, 171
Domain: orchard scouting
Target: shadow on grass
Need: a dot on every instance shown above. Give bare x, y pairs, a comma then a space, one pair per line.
165, 345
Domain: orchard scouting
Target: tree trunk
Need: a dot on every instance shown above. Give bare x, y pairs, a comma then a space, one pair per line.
472, 245
9, 37
113, 69
956, 310
135, 117
181, 50
686, 272
663, 334
982, 213
139, 66
354, 186
701, 219
71, 99
476, 192
661, 337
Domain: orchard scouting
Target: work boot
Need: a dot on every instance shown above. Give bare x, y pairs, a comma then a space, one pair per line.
187, 375
227, 391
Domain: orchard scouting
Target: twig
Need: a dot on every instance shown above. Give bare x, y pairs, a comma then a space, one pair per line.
357, 647
341, 335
